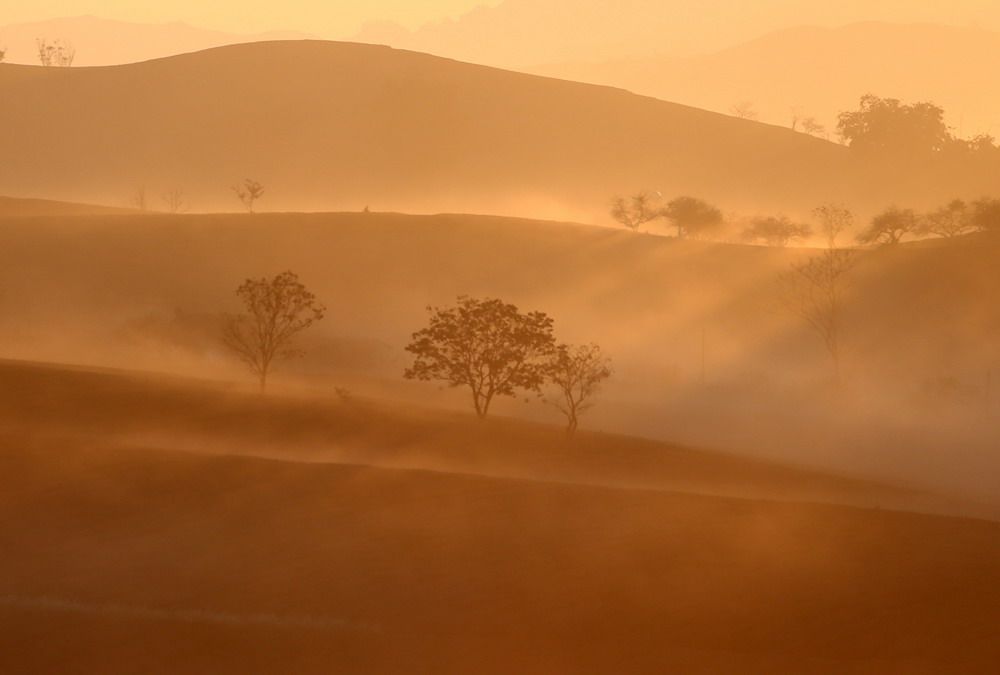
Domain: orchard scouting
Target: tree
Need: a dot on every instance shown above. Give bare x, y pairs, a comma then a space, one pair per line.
58, 53
692, 216
3, 54
951, 220
985, 215
636, 211
138, 199
249, 192
174, 200
888, 126
833, 219
486, 345
577, 372
277, 310
812, 127
814, 291
889, 227
775, 230
744, 110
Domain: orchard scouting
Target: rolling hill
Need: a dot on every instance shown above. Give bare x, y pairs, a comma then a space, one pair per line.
822, 71
334, 125
119, 551
147, 291
107, 42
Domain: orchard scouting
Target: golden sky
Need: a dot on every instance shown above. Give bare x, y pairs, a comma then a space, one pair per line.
328, 18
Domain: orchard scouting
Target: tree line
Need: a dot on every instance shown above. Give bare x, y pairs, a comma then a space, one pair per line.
487, 346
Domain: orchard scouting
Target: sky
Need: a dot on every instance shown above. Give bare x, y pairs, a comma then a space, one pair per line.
327, 18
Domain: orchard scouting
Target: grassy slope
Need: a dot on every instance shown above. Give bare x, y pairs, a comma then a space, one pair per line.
339, 125
120, 558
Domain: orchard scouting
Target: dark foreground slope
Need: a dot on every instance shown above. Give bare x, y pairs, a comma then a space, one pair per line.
120, 558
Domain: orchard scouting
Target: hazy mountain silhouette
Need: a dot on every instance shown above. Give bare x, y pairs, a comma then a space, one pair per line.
519, 33
101, 42
822, 71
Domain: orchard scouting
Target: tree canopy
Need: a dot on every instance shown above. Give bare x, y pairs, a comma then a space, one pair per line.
485, 344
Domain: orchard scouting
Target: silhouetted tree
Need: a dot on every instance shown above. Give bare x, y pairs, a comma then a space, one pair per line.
833, 219
635, 212
3, 54
775, 230
888, 126
812, 127
744, 110
890, 226
814, 291
138, 199
277, 310
58, 53
985, 215
577, 372
952, 220
692, 216
249, 192
174, 200
486, 345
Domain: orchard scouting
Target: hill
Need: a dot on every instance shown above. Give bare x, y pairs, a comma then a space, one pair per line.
13, 207
147, 291
819, 71
115, 552
340, 126
105, 42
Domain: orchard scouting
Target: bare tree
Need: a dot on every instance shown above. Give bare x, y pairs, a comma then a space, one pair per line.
277, 310
248, 192
814, 291
138, 198
834, 220
60, 53
486, 345
744, 110
890, 226
775, 230
951, 220
635, 212
174, 200
577, 373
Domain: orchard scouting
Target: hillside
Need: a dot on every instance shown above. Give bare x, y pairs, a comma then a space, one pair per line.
148, 291
821, 72
106, 42
116, 550
12, 207
340, 126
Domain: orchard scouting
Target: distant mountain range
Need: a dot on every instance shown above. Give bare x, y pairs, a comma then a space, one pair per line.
104, 42
522, 33
819, 72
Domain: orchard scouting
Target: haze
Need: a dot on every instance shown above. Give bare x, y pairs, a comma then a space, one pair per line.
542, 337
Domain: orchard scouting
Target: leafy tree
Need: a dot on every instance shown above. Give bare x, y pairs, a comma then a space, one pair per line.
985, 215
888, 126
577, 372
775, 230
814, 291
277, 310
485, 344
635, 212
692, 216
952, 220
833, 219
890, 226
249, 192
